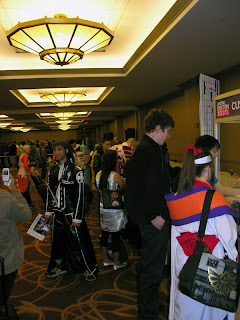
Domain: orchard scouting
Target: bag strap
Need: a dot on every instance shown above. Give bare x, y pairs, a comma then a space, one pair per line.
205, 214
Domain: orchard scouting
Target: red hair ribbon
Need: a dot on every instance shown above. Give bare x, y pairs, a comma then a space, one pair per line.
195, 151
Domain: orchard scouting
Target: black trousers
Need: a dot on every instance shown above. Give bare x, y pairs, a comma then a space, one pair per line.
116, 239
154, 249
27, 196
8, 283
75, 252
44, 170
58, 251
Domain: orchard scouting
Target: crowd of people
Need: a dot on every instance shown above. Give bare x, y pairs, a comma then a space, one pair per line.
137, 190
38, 156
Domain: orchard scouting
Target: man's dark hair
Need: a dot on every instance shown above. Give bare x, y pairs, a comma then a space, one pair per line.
207, 143
66, 146
72, 141
160, 118
107, 138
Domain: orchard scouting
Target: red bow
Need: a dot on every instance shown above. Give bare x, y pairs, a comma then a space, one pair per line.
195, 151
187, 241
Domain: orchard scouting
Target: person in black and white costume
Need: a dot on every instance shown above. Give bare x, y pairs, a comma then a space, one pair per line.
72, 249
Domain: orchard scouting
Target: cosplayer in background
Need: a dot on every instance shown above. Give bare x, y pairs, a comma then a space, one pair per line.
185, 208
24, 174
212, 145
71, 244
112, 220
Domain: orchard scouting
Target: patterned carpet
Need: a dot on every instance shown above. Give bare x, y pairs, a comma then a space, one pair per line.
68, 297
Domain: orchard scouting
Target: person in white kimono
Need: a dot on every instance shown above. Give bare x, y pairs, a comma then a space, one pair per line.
185, 207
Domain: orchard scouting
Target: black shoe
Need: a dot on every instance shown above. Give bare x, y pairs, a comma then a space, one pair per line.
89, 276
2, 315
119, 266
55, 272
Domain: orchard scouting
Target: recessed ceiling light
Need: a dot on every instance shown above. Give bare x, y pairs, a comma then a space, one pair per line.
5, 124
64, 115
16, 128
81, 112
3, 116
45, 114
25, 129
64, 121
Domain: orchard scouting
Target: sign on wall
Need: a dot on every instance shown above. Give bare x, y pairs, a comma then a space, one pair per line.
209, 88
227, 107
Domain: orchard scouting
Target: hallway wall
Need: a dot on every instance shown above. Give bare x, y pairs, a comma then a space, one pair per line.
229, 133
184, 108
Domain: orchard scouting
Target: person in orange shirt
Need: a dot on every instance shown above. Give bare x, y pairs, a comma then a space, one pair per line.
24, 174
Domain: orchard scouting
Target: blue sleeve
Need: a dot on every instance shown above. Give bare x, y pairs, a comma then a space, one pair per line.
216, 180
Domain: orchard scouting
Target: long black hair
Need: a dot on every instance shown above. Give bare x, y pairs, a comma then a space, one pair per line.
69, 155
190, 170
108, 165
207, 143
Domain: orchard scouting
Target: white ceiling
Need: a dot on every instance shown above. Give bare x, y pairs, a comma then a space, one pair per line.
123, 17
148, 59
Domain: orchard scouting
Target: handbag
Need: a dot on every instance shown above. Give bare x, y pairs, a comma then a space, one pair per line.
112, 218
112, 199
207, 279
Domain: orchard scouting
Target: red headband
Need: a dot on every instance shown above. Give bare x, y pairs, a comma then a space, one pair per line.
195, 151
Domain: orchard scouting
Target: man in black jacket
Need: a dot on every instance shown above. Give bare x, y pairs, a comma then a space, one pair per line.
147, 181
72, 250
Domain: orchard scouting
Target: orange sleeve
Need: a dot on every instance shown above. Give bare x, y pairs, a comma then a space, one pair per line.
24, 160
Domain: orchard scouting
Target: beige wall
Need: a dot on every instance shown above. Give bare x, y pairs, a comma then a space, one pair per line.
185, 111
229, 133
130, 121
119, 126
120, 129
140, 123
99, 134
116, 126
230, 151
112, 127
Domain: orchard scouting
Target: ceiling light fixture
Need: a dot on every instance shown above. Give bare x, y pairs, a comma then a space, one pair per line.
81, 113
62, 99
64, 127
63, 115
45, 114
16, 128
25, 129
64, 121
5, 124
60, 40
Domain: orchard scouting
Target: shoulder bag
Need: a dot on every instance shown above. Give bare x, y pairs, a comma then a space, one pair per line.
206, 278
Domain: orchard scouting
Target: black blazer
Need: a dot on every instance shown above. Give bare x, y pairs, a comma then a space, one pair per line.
147, 181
